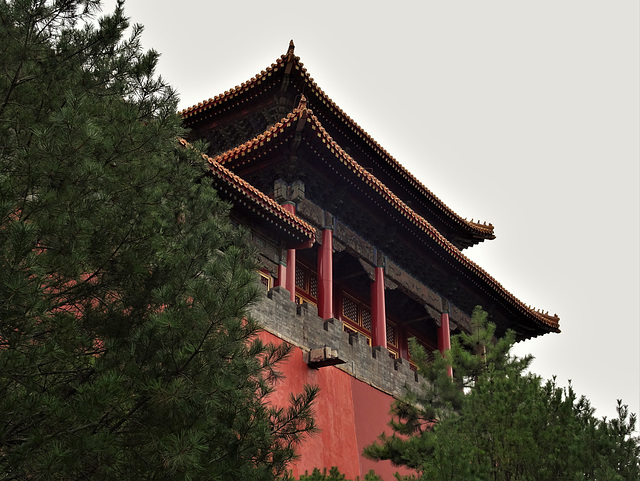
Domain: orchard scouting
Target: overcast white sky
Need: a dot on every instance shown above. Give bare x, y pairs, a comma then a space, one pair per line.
524, 114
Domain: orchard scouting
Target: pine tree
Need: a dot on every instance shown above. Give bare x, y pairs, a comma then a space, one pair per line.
494, 420
126, 351
333, 474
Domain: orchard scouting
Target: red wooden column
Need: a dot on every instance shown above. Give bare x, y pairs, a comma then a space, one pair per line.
281, 280
288, 195
378, 310
325, 275
444, 337
290, 278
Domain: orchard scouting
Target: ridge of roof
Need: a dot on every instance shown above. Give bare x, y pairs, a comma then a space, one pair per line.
238, 89
486, 231
306, 114
256, 195
482, 228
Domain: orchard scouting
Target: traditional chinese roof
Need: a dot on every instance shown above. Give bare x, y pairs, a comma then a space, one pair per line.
289, 70
241, 193
302, 119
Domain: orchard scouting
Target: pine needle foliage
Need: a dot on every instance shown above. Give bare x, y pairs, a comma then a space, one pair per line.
496, 421
126, 351
333, 474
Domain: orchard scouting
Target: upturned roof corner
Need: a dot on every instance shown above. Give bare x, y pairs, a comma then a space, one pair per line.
259, 131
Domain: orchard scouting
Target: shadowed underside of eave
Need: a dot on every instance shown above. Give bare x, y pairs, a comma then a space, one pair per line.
300, 136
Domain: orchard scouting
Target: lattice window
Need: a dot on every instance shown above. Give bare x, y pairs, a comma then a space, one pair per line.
313, 286
392, 333
350, 309
356, 316
303, 300
350, 330
366, 318
265, 280
306, 284
300, 275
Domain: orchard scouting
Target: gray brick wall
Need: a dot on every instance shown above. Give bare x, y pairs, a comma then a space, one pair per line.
301, 326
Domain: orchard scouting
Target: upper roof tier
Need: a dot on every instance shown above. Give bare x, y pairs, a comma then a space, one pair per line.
249, 109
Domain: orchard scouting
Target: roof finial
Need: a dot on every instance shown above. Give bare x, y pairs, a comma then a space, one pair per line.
289, 59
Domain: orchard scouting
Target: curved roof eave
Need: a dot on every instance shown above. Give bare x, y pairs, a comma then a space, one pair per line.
292, 225
477, 231
450, 253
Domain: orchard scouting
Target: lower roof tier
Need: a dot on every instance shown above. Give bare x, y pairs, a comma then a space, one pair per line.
298, 151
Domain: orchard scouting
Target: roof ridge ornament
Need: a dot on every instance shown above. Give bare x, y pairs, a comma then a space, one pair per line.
289, 57
302, 105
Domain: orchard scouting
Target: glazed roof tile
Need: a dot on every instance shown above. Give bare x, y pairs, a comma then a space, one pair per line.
258, 198
483, 230
449, 252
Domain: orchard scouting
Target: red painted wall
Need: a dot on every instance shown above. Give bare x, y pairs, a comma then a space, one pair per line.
371, 408
349, 413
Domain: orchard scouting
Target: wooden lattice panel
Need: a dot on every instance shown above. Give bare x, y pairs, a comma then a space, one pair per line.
350, 309
366, 319
392, 334
300, 278
313, 287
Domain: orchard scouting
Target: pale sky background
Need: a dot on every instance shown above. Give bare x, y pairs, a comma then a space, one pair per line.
525, 114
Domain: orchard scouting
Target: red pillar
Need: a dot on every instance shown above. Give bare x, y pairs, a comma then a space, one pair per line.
291, 273
290, 279
281, 280
325, 275
444, 337
378, 311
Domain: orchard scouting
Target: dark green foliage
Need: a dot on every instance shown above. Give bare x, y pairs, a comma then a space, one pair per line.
125, 350
334, 474
495, 421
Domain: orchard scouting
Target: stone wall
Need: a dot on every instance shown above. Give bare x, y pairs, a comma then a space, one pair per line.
301, 327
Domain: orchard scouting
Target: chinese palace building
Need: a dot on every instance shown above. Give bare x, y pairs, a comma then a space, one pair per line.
357, 255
